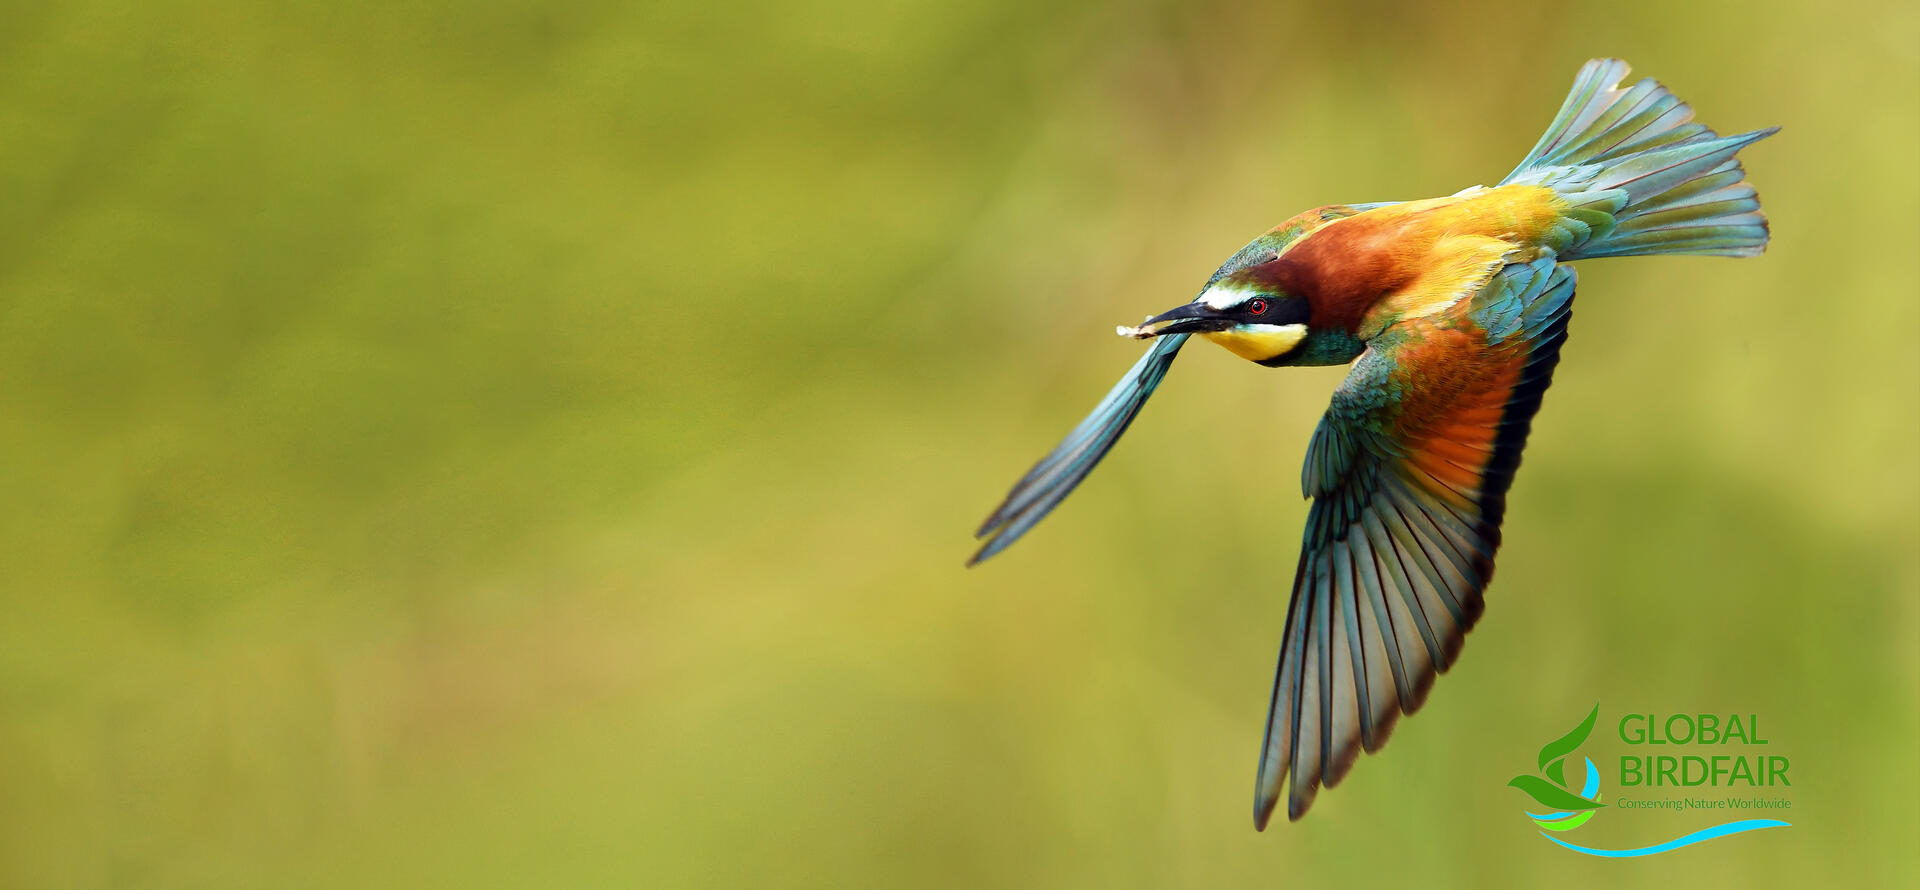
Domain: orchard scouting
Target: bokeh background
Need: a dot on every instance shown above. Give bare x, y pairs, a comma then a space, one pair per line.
534, 445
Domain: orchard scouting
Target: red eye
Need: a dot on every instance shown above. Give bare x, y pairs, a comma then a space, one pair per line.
1257, 307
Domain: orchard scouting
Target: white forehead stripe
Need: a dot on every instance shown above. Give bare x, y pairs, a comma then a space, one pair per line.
1226, 297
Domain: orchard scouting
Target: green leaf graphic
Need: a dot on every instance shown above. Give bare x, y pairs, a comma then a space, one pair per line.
1551, 795
1567, 824
1557, 772
1565, 744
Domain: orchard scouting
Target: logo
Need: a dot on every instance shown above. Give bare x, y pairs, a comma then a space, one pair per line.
1568, 811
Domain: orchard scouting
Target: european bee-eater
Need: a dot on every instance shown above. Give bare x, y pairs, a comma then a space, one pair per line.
1455, 309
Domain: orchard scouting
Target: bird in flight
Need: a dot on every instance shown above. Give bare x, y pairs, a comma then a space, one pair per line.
1452, 311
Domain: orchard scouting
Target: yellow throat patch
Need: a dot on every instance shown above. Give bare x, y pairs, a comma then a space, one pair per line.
1259, 342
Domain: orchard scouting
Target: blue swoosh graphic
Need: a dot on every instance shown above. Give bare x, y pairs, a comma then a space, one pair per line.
1675, 844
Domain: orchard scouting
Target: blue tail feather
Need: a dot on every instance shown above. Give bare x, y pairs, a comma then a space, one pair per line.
1643, 178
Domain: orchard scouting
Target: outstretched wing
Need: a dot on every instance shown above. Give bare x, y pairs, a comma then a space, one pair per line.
1056, 475
1408, 472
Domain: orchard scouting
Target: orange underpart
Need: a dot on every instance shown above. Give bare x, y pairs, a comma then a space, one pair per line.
1450, 418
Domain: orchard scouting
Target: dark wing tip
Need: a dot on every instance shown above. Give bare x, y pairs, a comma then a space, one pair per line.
1383, 730
1005, 512
1342, 762
1299, 801
996, 541
981, 555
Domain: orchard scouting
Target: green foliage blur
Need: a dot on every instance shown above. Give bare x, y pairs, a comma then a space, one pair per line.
516, 444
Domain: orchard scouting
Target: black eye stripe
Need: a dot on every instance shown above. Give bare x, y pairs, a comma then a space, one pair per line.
1277, 310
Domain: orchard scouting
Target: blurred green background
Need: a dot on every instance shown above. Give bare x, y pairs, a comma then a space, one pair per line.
531, 445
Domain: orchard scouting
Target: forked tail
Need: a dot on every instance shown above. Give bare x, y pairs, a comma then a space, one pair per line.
1641, 177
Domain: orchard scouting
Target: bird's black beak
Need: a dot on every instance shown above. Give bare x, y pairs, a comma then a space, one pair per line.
1192, 318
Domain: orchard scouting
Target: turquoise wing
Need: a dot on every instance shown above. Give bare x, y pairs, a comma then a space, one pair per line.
1057, 474
1408, 471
